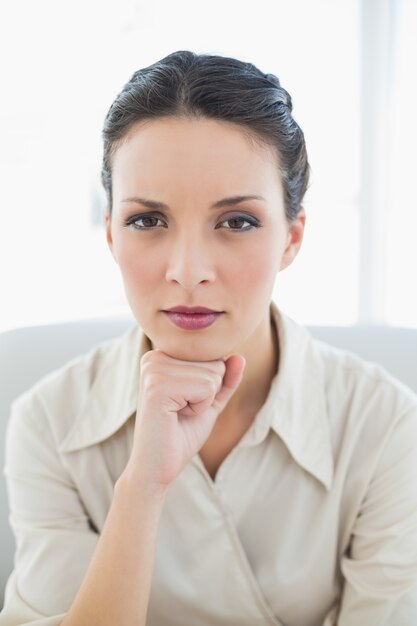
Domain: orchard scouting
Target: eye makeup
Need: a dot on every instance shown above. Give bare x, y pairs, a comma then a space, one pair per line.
133, 220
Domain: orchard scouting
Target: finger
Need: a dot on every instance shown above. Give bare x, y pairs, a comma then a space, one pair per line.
235, 366
218, 366
195, 408
195, 405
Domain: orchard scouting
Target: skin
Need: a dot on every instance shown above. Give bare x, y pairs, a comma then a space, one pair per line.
192, 255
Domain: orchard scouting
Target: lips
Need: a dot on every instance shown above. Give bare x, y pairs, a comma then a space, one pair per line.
194, 318
195, 310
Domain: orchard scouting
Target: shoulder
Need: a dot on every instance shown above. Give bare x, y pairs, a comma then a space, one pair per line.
347, 388
349, 370
363, 398
56, 400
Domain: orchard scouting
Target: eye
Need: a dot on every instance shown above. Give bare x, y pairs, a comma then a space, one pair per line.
148, 222
237, 220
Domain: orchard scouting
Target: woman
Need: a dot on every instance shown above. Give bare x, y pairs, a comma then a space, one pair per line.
215, 465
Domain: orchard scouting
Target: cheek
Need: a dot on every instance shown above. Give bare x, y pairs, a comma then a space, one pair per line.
139, 269
258, 269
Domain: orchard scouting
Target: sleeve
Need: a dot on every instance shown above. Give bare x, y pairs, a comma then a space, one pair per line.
380, 569
54, 538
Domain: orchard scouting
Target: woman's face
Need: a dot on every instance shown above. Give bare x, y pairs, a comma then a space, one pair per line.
202, 248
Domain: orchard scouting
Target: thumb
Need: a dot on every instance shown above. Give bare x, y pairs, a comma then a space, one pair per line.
235, 366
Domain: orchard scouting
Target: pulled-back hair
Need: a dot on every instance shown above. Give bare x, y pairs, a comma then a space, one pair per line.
185, 84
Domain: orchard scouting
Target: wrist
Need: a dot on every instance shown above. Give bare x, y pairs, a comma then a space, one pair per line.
135, 483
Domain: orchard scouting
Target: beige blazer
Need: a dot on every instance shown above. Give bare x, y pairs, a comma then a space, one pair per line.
310, 521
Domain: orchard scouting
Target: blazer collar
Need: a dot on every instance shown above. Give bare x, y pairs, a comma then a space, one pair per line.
296, 407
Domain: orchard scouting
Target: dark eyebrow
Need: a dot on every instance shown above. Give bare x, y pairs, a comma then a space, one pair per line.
153, 204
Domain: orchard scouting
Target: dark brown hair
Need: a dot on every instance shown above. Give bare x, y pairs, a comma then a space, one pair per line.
222, 88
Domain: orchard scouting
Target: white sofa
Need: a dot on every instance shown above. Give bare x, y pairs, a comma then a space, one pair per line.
27, 354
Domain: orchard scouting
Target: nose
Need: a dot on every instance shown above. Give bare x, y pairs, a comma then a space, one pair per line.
190, 261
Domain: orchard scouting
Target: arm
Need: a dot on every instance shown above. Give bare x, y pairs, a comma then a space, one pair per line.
65, 573
117, 584
177, 408
56, 545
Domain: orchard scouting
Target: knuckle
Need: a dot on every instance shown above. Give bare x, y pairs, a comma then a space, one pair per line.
217, 382
213, 386
151, 356
145, 361
156, 382
150, 362
221, 369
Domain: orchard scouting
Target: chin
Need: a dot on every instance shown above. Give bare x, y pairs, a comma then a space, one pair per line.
193, 349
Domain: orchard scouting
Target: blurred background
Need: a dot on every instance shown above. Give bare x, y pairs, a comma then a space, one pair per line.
350, 67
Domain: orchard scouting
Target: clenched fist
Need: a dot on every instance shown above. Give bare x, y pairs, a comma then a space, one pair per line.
178, 404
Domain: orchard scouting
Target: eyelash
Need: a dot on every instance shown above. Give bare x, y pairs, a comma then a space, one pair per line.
254, 223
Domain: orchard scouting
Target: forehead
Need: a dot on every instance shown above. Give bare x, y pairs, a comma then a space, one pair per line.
209, 155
